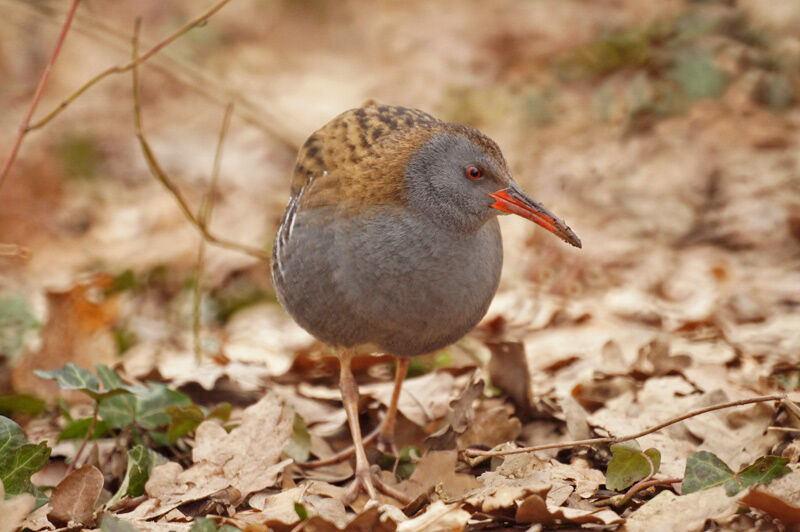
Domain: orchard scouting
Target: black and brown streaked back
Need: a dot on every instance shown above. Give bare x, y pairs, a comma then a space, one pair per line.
359, 158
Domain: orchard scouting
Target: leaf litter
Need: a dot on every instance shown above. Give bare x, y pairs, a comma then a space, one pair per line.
686, 297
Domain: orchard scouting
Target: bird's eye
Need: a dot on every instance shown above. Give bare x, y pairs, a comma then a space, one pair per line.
473, 172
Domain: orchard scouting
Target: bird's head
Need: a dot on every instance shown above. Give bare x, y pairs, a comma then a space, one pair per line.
460, 177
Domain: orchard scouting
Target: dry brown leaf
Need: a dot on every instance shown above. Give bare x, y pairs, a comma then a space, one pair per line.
437, 471
246, 459
534, 509
667, 511
459, 419
73, 500
79, 330
14, 510
438, 517
494, 424
509, 371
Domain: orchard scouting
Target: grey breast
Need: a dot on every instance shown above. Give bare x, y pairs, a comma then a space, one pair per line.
388, 279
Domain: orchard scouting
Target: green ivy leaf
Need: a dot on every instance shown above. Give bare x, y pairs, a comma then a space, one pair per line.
704, 470
183, 420
21, 404
19, 459
762, 471
299, 447
147, 409
301, 511
628, 465
141, 462
73, 377
203, 524
221, 411
78, 428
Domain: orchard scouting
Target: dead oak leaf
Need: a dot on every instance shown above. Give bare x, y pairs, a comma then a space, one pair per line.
246, 459
667, 511
14, 510
74, 498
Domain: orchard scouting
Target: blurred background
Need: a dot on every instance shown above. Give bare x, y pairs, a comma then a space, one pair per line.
665, 132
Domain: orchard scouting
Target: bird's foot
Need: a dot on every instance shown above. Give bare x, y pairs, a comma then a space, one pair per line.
368, 480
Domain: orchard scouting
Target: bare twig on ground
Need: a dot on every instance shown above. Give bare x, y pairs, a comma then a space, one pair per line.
622, 500
185, 73
161, 175
136, 61
204, 215
24, 128
593, 441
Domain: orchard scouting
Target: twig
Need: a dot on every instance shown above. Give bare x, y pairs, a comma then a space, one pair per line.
86, 439
783, 429
136, 61
618, 439
162, 177
622, 500
204, 215
23, 128
187, 74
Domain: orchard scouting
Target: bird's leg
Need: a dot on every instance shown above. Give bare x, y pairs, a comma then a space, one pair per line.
386, 433
349, 388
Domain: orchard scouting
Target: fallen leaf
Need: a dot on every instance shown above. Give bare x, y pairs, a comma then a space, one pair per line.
628, 465
74, 499
246, 459
14, 509
438, 517
704, 470
689, 513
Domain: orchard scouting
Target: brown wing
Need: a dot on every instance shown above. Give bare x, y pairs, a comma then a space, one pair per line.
358, 158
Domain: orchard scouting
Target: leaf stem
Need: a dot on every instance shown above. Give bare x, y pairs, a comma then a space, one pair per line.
86, 438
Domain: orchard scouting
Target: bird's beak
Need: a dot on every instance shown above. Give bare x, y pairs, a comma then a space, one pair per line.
515, 201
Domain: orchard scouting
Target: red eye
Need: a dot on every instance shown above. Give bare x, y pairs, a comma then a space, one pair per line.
473, 172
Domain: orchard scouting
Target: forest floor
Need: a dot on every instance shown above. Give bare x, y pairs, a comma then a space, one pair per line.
664, 132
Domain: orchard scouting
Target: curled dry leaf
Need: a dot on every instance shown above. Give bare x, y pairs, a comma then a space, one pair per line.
14, 510
73, 500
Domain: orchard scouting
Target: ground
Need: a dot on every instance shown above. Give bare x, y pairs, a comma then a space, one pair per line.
664, 133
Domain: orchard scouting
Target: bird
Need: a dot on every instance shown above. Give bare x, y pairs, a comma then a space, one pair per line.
390, 242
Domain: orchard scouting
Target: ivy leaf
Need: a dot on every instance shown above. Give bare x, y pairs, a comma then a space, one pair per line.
704, 470
299, 447
147, 409
203, 524
73, 377
78, 428
628, 465
762, 471
301, 511
141, 462
21, 404
183, 420
19, 459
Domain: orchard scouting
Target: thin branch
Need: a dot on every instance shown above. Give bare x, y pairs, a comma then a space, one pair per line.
204, 215
136, 61
623, 499
187, 74
618, 439
23, 128
162, 177
784, 429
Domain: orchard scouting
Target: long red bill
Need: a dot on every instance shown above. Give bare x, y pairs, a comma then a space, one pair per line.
514, 201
